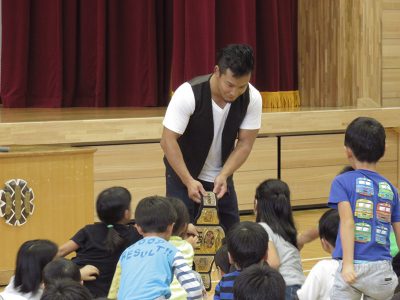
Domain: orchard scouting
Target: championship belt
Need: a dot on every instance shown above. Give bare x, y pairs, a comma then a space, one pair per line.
210, 237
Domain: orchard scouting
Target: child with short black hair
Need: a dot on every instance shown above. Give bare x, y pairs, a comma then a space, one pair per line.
61, 268
221, 259
101, 244
66, 289
368, 204
259, 282
145, 269
247, 244
319, 281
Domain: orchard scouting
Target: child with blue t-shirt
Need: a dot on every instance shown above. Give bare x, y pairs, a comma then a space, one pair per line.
145, 270
368, 205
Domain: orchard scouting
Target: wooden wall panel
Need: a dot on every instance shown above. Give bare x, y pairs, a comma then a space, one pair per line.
139, 168
313, 184
263, 156
390, 102
309, 164
246, 184
128, 161
390, 84
138, 187
318, 43
391, 53
339, 52
325, 150
391, 24
391, 4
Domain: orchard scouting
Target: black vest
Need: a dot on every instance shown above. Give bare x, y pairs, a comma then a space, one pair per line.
196, 141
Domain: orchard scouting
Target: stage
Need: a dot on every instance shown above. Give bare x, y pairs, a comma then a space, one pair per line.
99, 126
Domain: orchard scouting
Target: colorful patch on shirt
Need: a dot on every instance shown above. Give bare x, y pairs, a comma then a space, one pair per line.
385, 191
384, 211
364, 187
381, 234
364, 209
362, 233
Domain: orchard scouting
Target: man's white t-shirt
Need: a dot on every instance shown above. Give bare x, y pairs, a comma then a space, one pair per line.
182, 106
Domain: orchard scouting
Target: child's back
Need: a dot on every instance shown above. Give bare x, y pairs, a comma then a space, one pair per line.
152, 259
320, 280
274, 213
101, 244
147, 267
289, 257
372, 213
92, 251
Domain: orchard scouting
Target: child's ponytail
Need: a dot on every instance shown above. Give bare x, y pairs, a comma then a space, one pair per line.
113, 240
274, 209
111, 206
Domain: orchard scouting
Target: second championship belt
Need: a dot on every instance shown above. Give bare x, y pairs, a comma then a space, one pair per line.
210, 237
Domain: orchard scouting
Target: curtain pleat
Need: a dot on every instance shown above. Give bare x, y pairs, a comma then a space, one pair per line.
93, 53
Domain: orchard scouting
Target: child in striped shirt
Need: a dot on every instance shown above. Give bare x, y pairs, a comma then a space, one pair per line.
183, 243
145, 270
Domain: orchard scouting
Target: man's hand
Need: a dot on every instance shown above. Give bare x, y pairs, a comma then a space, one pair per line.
348, 274
220, 186
195, 190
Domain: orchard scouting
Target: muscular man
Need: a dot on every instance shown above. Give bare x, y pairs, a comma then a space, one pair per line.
204, 119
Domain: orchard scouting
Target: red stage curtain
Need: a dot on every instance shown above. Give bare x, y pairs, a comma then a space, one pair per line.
193, 39
276, 73
269, 26
62, 53
136, 46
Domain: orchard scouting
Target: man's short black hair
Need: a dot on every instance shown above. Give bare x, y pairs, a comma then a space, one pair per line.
154, 214
247, 243
366, 138
66, 289
259, 282
236, 57
328, 226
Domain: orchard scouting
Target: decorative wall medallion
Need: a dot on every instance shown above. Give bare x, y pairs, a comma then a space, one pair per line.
16, 202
